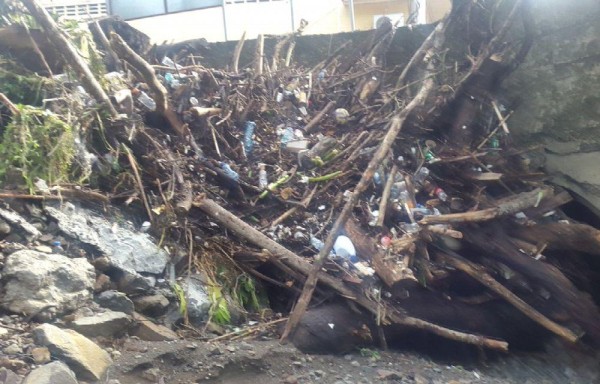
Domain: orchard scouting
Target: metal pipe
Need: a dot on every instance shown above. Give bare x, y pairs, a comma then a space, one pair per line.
224, 19
352, 20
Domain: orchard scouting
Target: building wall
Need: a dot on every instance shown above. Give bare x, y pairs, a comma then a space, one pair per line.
323, 16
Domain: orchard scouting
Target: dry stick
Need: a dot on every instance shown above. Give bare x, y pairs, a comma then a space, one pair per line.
484, 278
501, 118
95, 26
138, 180
147, 72
258, 55
70, 55
290, 52
236, 53
280, 254
9, 104
319, 116
385, 196
382, 151
511, 206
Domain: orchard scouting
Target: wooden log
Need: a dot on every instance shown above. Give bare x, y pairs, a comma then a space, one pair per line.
70, 55
385, 266
494, 243
561, 236
511, 206
487, 280
299, 264
149, 76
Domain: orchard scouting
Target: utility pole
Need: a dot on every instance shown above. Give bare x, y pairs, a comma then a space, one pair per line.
292, 16
224, 19
352, 19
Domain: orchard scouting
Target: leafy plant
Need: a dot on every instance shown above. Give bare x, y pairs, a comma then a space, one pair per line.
245, 293
370, 353
39, 144
180, 293
219, 311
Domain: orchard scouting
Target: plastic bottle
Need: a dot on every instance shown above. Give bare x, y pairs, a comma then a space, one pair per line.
321, 75
441, 194
146, 101
344, 248
230, 172
194, 102
263, 180
341, 116
249, 128
287, 135
145, 226
421, 175
57, 247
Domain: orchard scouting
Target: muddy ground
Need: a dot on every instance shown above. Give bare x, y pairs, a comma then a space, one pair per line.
268, 362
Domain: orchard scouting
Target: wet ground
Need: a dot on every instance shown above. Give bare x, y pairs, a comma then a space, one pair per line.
268, 362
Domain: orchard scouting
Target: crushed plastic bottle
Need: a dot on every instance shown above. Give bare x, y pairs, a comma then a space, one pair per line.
146, 101
194, 102
249, 128
57, 246
286, 135
421, 175
230, 172
344, 248
441, 194
166, 61
263, 180
316, 243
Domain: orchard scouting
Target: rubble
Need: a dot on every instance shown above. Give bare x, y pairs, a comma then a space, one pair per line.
196, 197
56, 372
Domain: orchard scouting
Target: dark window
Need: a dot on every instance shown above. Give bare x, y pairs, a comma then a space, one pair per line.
131, 9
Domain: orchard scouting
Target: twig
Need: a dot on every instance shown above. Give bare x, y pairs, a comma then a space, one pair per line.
72, 58
501, 118
245, 330
236, 53
258, 55
319, 116
139, 182
9, 104
385, 196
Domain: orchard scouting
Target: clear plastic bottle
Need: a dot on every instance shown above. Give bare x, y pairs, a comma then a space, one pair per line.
249, 128
421, 175
263, 180
441, 194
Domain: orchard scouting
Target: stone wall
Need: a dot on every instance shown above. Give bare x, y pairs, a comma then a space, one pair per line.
557, 95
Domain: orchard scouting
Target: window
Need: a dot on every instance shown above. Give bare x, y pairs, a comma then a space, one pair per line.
77, 9
128, 9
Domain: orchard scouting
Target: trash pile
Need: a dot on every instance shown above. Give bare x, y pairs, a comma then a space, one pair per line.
396, 189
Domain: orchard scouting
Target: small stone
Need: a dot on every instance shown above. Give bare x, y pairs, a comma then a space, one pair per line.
4, 228
230, 348
102, 283
419, 379
105, 324
12, 364
384, 374
355, 363
154, 305
215, 351
115, 354
9, 377
192, 346
13, 349
115, 301
319, 373
146, 330
40, 355
291, 379
152, 374
43, 248
3, 332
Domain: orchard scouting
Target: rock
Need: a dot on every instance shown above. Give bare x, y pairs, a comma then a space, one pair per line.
419, 379
106, 324
131, 282
83, 356
384, 374
3, 332
4, 228
145, 329
17, 220
102, 283
126, 249
12, 364
43, 249
53, 373
9, 377
155, 305
198, 300
13, 349
115, 301
151, 374
41, 355
36, 281
291, 379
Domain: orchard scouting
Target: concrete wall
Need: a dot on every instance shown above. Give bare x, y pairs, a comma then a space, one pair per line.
556, 94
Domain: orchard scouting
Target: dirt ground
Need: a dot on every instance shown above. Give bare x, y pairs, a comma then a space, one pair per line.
268, 362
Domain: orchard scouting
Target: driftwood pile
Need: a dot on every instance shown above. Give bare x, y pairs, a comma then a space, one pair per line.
413, 165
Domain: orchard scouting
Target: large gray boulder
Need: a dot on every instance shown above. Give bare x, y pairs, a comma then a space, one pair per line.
34, 281
52, 373
127, 250
83, 356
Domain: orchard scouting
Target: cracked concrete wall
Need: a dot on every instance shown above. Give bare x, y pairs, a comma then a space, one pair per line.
557, 91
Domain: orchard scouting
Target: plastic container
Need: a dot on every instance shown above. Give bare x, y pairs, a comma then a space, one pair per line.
344, 248
421, 175
249, 128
